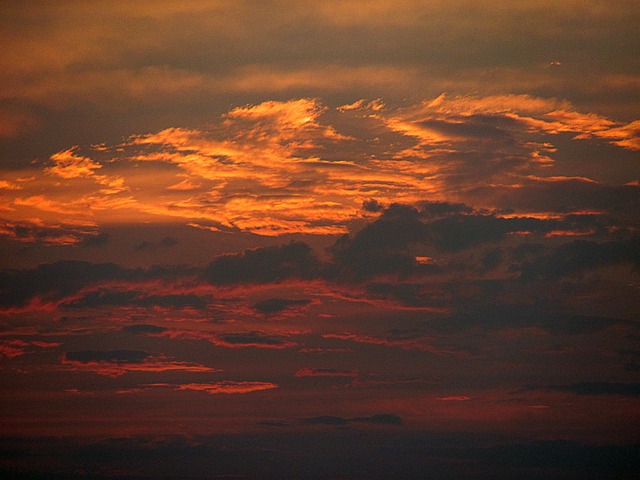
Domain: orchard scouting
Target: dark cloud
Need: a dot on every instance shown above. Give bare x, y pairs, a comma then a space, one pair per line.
143, 329
143, 246
169, 241
490, 317
326, 453
266, 264
51, 282
580, 255
325, 420
492, 259
135, 298
410, 293
54, 280
274, 423
393, 242
149, 246
564, 196
100, 239
379, 419
599, 388
372, 206
276, 305
253, 338
109, 356
443, 208
387, 245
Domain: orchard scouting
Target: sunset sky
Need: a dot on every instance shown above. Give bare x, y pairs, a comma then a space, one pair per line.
330, 239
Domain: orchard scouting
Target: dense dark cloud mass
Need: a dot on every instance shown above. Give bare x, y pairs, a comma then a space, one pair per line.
581, 255
111, 356
269, 264
599, 388
53, 281
276, 305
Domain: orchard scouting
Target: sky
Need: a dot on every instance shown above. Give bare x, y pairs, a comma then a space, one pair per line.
329, 239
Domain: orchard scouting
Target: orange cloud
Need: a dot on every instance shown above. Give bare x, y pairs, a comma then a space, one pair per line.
286, 167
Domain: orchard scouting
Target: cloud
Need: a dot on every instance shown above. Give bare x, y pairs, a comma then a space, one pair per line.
134, 298
143, 329
35, 231
112, 356
379, 419
405, 237
581, 255
80, 284
274, 423
114, 363
298, 166
277, 305
68, 165
325, 420
15, 348
487, 316
599, 388
253, 339
325, 372
261, 265
227, 387
52, 282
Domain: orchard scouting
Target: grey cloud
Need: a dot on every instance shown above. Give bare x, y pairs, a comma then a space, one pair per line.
502, 316
599, 388
267, 264
54, 280
101, 298
387, 245
378, 419
110, 356
143, 329
277, 305
274, 423
325, 420
252, 338
580, 255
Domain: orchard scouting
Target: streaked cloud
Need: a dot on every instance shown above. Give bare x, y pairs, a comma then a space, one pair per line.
114, 363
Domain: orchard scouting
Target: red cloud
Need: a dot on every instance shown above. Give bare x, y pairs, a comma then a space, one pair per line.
227, 387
